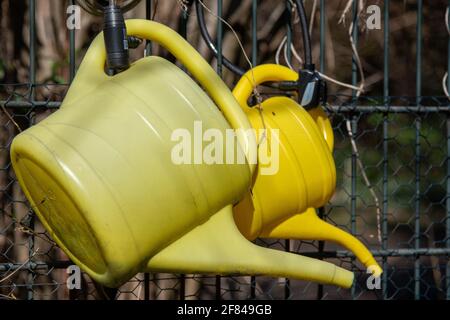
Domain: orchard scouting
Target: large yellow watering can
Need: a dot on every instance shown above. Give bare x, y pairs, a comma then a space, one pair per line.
99, 173
306, 177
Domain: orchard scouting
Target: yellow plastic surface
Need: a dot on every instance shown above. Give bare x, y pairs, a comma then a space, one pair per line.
308, 226
219, 246
306, 177
98, 173
306, 174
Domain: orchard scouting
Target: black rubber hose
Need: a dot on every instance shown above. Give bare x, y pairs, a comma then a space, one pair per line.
209, 42
115, 38
305, 34
238, 70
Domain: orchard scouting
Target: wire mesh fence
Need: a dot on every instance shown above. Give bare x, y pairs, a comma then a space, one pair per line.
403, 143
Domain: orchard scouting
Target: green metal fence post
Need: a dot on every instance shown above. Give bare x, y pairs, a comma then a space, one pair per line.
72, 50
447, 275
321, 211
220, 73
148, 16
32, 35
354, 125
254, 63
287, 243
384, 234
418, 124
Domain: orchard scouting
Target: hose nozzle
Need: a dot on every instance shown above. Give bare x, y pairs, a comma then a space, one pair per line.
115, 37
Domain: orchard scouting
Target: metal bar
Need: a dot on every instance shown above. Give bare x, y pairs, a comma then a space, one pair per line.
146, 286
332, 108
417, 146
384, 227
254, 63
447, 273
447, 202
254, 32
183, 23
386, 52
417, 210
353, 192
384, 220
218, 288
32, 36
148, 15
182, 293
355, 40
219, 37
62, 264
183, 32
289, 30
34, 265
354, 128
287, 243
321, 246
321, 211
384, 253
72, 71
32, 17
390, 109
28, 104
72, 56
322, 35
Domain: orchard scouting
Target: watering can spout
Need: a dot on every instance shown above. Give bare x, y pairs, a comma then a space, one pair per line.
308, 226
217, 247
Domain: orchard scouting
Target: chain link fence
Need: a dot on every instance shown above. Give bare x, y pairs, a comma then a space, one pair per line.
403, 143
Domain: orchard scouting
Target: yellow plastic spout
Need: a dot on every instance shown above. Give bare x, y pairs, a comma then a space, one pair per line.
217, 247
272, 210
308, 226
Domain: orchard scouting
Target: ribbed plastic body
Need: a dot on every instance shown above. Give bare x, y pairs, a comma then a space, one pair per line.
100, 174
282, 205
99, 171
306, 174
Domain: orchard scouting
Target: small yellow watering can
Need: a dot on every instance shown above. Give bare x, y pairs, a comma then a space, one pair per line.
306, 177
100, 176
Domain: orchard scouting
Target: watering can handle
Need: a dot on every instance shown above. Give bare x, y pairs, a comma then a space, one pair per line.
275, 72
95, 59
258, 75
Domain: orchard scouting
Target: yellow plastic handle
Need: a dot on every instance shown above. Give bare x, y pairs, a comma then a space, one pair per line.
260, 74
275, 72
96, 56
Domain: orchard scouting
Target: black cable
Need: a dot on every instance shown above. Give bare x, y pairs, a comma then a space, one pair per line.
115, 38
238, 70
305, 34
209, 42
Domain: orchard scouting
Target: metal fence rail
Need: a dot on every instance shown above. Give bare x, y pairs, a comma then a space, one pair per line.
404, 143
